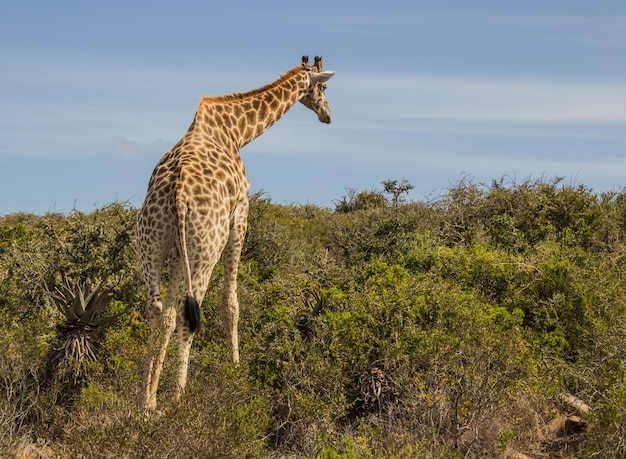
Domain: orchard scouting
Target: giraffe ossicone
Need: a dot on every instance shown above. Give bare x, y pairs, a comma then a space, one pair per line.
196, 211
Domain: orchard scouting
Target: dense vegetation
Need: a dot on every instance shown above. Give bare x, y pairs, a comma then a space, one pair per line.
489, 321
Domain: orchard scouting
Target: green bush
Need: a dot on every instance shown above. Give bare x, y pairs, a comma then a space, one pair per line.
381, 328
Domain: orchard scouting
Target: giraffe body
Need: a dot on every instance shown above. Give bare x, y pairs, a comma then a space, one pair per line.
196, 211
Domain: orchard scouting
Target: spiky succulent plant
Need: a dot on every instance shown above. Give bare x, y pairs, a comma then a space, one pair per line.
76, 344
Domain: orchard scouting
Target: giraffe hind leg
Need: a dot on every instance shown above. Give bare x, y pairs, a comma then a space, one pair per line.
184, 331
159, 339
185, 338
153, 314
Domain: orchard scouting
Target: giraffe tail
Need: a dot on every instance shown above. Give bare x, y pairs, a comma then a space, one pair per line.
192, 313
192, 308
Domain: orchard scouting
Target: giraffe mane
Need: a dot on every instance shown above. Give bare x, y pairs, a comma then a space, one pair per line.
254, 92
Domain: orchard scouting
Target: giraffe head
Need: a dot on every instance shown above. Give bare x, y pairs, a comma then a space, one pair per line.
313, 97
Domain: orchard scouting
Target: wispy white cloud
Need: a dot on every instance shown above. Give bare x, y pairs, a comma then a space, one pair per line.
450, 114
78, 104
383, 122
126, 147
498, 99
442, 125
585, 27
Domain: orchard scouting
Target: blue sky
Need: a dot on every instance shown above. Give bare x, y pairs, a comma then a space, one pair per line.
92, 94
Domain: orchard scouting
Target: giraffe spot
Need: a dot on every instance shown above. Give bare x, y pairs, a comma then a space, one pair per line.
249, 132
203, 205
242, 125
262, 112
238, 111
197, 190
224, 137
250, 117
230, 186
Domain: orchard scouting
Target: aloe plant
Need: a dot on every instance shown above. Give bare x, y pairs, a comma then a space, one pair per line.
76, 343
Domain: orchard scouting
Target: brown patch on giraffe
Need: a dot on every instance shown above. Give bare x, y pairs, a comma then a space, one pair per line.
262, 110
250, 117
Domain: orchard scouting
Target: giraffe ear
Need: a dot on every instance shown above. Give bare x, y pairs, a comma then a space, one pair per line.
321, 77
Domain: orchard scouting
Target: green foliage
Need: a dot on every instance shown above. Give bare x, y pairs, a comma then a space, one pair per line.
94, 246
76, 348
362, 200
81, 304
14, 231
382, 328
396, 190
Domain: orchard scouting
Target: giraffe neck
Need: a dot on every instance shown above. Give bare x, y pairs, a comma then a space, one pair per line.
240, 118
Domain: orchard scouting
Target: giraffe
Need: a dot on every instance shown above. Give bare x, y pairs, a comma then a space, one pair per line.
196, 210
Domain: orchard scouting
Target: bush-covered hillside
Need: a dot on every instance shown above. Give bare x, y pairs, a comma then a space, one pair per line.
489, 321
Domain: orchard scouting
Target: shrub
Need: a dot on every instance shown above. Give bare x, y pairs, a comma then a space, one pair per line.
383, 328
